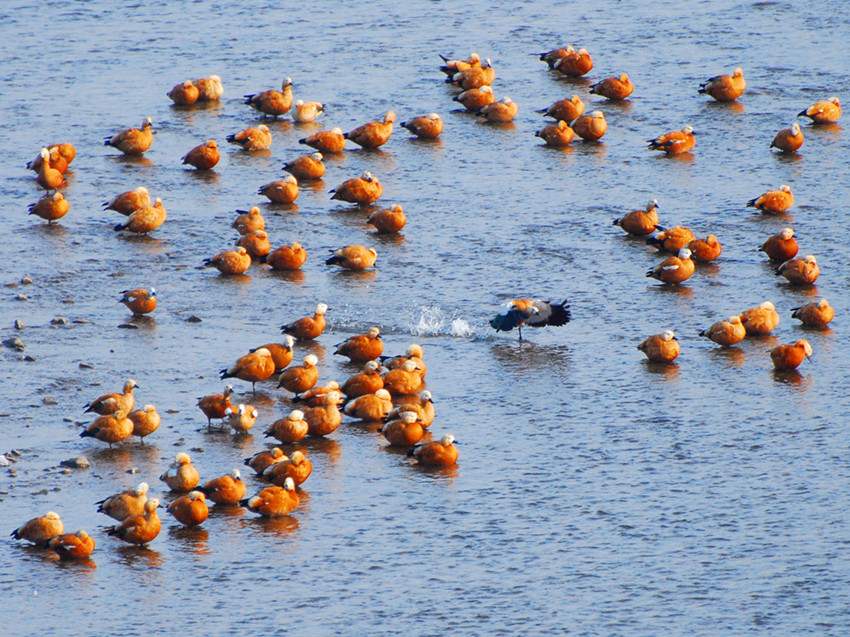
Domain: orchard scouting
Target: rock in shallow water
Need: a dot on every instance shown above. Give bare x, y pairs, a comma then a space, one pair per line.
80, 462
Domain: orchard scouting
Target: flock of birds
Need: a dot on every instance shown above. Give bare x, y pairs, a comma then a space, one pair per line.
388, 390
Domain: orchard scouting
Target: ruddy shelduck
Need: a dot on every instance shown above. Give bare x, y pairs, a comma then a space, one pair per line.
803, 271
230, 261
452, 66
614, 88
315, 396
210, 89
475, 98
255, 243
226, 489
254, 367
372, 134
324, 420
49, 178
781, 247
241, 419
307, 167
214, 405
184, 94
203, 156
133, 141
300, 378
306, 112
671, 239
144, 220
789, 140
181, 476
290, 429
60, 155
249, 220
290, 257
110, 429
367, 381
567, 109
110, 403
403, 381
761, 320
40, 530
640, 222
442, 453
361, 190
552, 56
326, 141
532, 312
122, 505
499, 112
675, 142
475, 76
674, 270
825, 112
274, 501
591, 127
139, 529
815, 314
296, 468
362, 347
428, 126
788, 357
388, 220
727, 332
262, 459
774, 201
281, 190
370, 407
128, 202
412, 353
145, 421
404, 432
73, 546
353, 257
705, 250
309, 327
50, 207
252, 138
423, 407
281, 353
139, 301
574, 63
190, 509
557, 135
272, 102
661, 348
725, 88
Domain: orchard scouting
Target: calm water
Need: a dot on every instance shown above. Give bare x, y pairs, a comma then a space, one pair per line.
595, 494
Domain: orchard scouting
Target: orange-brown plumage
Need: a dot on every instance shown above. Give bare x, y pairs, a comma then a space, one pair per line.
353, 257
260, 461
774, 201
725, 88
290, 429
366, 382
144, 220
373, 134
781, 247
824, 112
412, 353
110, 403
403, 381
788, 357
671, 239
362, 347
675, 142
281, 190
281, 353
425, 126
274, 501
309, 327
247, 222
286, 257
73, 546
252, 138
139, 301
674, 270
49, 177
272, 102
404, 432
184, 94
422, 405
300, 378
370, 407
614, 88
50, 207
40, 530
789, 140
110, 429
557, 135
442, 453
500, 112
324, 420
640, 222
315, 396
214, 406
190, 509
761, 320
210, 89
326, 141
181, 476
803, 271
567, 109
139, 529
204, 156
574, 63
128, 202
388, 220
253, 367
133, 141
361, 190
297, 467
590, 127
473, 99
226, 489
306, 167
122, 505
704, 250
726, 332
475, 76
242, 418
231, 261
145, 421
255, 243
661, 348
815, 314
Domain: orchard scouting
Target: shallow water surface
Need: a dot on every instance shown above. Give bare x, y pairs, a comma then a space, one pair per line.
595, 493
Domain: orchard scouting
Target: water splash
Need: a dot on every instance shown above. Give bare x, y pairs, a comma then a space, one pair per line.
434, 321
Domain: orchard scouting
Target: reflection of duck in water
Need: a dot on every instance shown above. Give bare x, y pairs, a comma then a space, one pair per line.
535, 313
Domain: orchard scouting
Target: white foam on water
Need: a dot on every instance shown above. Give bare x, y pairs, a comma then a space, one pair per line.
434, 321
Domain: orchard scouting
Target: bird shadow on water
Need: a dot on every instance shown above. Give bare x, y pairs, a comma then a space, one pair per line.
729, 355
792, 378
140, 555
521, 357
193, 538
669, 370
283, 526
